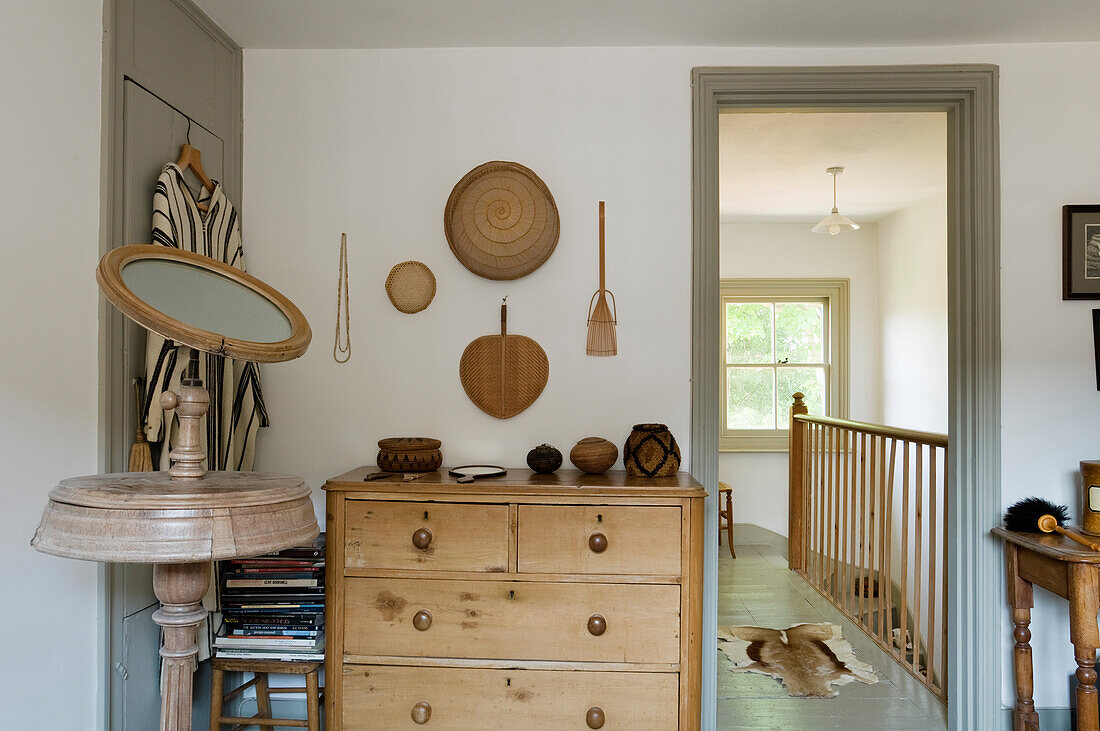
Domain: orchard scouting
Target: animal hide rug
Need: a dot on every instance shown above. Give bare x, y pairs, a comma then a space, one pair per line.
808, 659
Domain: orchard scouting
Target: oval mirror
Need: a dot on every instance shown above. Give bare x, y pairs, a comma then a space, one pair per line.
202, 303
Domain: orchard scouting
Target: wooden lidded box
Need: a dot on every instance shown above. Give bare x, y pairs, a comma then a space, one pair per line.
523, 601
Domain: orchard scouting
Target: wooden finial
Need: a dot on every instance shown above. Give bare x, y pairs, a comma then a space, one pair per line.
798, 396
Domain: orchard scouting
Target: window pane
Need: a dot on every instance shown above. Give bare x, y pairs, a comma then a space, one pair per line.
750, 398
749, 332
810, 381
800, 332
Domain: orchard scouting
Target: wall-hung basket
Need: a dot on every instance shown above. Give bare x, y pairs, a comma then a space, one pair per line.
501, 221
410, 286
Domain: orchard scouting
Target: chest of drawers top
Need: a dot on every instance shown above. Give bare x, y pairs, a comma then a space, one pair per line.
519, 482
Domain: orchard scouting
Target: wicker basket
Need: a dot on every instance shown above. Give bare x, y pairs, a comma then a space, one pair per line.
409, 454
651, 451
594, 455
410, 286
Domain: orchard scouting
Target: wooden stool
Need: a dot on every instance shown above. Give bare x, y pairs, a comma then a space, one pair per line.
725, 495
261, 668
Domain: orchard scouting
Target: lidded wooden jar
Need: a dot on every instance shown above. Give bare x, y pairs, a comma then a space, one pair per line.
1090, 505
651, 451
409, 454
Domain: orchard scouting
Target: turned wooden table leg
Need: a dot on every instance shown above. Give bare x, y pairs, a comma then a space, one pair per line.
1020, 600
180, 588
1084, 601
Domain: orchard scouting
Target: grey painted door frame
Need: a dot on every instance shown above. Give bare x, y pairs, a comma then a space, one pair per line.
968, 93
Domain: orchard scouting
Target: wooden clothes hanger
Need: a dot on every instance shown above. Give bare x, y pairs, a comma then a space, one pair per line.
191, 157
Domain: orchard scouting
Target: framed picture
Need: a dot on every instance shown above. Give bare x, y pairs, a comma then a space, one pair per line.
1096, 344
1081, 252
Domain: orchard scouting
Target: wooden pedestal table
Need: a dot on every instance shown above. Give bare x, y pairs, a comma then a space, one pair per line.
1071, 571
180, 526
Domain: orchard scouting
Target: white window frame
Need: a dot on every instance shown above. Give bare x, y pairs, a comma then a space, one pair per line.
832, 291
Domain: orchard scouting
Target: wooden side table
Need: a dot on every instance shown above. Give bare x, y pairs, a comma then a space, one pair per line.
260, 670
1071, 571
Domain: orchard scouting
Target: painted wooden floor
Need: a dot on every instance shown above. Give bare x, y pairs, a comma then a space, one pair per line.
758, 589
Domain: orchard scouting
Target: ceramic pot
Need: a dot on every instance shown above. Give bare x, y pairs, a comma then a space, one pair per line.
594, 455
651, 451
544, 459
409, 454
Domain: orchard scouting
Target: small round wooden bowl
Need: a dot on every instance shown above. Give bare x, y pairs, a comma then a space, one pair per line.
594, 455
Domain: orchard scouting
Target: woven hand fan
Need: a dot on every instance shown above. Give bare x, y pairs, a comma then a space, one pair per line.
503, 374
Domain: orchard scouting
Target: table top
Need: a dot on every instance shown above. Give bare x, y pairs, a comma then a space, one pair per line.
1054, 545
148, 517
158, 491
521, 481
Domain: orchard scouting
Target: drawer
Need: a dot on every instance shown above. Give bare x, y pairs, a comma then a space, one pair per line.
567, 539
451, 536
383, 697
512, 620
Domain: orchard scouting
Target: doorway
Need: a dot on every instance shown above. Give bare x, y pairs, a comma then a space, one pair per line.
967, 94
849, 308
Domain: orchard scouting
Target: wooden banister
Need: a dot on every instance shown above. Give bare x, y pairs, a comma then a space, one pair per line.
796, 445
844, 541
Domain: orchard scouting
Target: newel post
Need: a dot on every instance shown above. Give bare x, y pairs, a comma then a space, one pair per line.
796, 459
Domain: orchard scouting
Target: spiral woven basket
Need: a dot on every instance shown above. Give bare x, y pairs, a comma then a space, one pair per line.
501, 221
410, 286
651, 451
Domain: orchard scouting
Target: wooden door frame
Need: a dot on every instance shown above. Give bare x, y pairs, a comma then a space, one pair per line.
968, 93
116, 420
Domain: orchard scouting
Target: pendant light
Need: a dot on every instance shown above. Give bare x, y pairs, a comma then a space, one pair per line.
834, 223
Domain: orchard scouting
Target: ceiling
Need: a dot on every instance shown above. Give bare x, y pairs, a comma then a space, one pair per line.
772, 165
805, 23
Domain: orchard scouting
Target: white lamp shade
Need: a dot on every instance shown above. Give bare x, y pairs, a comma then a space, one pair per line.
834, 224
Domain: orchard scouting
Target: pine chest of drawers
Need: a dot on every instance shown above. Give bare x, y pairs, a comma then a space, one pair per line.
519, 602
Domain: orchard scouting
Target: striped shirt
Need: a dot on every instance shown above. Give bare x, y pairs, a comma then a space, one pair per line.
236, 402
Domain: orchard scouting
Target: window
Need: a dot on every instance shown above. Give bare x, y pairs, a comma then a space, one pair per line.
781, 336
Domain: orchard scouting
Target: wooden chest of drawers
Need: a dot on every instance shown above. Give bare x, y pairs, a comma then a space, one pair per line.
519, 602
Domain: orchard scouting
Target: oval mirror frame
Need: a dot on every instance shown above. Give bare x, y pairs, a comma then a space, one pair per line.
109, 276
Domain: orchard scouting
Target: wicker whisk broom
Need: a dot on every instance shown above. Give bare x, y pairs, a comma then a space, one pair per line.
141, 458
601, 318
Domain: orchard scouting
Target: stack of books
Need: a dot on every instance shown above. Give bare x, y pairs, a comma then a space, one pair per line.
273, 607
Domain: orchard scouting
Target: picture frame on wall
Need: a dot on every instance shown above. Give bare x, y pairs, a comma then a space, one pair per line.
1096, 344
1081, 252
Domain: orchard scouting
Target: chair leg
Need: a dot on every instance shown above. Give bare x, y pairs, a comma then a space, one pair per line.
729, 522
313, 705
263, 698
217, 680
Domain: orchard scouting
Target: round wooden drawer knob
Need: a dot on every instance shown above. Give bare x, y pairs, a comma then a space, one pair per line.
422, 712
594, 718
422, 538
597, 625
422, 620
597, 542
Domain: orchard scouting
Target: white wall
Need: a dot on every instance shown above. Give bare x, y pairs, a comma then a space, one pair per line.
371, 142
759, 479
49, 203
913, 301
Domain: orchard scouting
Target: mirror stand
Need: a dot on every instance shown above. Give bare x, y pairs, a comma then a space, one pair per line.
190, 404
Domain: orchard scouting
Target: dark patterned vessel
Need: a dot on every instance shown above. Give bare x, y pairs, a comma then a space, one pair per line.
651, 451
544, 459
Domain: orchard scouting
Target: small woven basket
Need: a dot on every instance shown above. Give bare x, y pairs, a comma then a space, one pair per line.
651, 451
410, 286
409, 454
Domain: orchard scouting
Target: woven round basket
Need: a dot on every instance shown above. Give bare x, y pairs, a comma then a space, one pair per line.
410, 286
409, 454
501, 221
651, 451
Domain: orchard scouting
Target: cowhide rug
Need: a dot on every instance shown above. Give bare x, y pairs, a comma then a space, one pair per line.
808, 659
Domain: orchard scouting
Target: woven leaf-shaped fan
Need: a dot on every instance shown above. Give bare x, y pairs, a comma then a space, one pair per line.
503, 374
